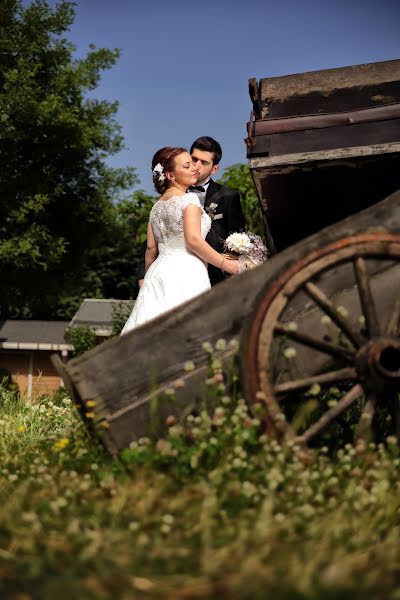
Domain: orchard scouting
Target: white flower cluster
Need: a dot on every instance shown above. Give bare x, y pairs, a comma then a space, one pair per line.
238, 242
159, 172
249, 247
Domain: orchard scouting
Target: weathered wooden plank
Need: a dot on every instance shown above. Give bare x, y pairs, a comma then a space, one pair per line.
283, 163
359, 97
316, 140
121, 375
327, 80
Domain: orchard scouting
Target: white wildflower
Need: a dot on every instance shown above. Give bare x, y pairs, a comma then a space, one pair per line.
165, 528
342, 311
391, 439
207, 347
289, 352
169, 519
234, 344
29, 517
248, 489
279, 517
314, 390
220, 344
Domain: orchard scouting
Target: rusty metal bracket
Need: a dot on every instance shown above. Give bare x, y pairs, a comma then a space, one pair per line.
321, 121
250, 141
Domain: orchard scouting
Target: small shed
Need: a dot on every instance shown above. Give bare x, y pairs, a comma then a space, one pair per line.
26, 345
99, 314
25, 350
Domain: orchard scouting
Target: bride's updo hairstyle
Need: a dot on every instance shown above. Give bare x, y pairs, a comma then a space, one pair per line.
163, 161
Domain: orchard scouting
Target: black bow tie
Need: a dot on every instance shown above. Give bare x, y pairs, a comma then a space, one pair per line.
197, 188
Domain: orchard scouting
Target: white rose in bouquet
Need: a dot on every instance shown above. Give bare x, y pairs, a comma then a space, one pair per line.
238, 242
249, 247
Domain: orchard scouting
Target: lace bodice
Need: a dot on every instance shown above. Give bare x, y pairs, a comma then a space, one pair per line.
166, 219
177, 275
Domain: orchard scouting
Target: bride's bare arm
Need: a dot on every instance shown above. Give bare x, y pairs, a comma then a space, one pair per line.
152, 248
194, 241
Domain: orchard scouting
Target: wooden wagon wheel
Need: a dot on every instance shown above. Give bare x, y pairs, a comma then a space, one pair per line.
367, 358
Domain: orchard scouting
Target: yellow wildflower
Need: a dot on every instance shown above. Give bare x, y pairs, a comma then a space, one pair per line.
60, 444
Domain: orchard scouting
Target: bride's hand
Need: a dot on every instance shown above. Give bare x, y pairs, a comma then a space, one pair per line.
231, 267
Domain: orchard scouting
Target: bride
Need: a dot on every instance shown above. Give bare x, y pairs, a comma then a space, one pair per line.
177, 253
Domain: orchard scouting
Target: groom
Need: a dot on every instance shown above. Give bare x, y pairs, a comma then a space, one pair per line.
221, 203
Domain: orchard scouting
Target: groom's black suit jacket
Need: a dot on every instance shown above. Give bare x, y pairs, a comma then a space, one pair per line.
232, 220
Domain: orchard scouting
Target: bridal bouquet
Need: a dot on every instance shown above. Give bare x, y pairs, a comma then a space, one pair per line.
248, 248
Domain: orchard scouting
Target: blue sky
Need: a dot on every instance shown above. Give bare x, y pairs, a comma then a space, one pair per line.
185, 65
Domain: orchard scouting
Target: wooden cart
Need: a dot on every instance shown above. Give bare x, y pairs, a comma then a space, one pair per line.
324, 310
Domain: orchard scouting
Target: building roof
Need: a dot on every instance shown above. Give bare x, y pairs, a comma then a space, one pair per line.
49, 335
33, 335
98, 313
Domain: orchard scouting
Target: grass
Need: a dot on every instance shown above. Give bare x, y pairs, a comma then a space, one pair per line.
213, 510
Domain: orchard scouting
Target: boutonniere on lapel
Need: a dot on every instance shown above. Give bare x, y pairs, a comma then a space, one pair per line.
211, 210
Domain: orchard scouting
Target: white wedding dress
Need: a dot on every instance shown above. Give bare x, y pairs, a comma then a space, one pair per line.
177, 274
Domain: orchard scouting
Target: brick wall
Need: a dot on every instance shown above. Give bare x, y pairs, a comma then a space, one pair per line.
45, 379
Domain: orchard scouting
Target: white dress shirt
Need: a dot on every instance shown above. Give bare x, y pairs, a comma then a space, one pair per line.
202, 195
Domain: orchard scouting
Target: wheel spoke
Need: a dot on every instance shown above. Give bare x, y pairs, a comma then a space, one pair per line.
365, 425
331, 377
392, 327
321, 345
276, 414
323, 301
344, 403
366, 298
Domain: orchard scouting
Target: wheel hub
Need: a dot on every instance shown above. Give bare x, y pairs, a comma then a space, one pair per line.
378, 364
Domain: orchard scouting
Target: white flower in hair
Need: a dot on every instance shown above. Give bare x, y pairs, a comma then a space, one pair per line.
159, 171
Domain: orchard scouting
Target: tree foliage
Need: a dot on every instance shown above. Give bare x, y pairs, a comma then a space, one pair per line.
82, 338
56, 190
238, 177
110, 270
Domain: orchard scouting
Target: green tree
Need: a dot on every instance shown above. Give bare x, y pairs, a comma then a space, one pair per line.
111, 267
238, 177
56, 190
